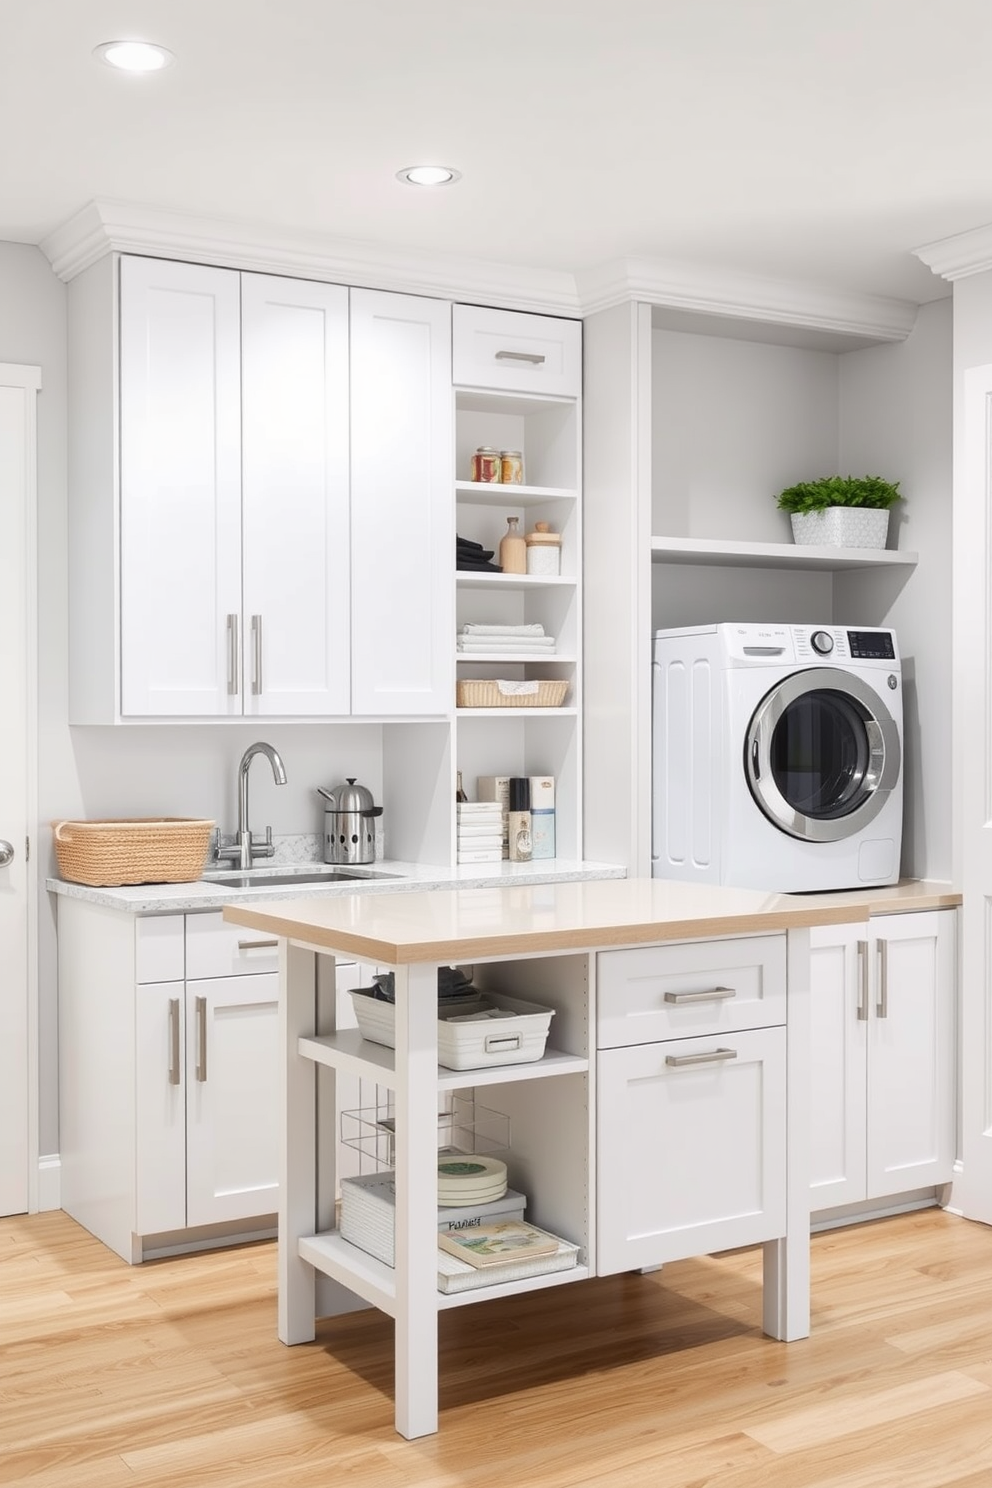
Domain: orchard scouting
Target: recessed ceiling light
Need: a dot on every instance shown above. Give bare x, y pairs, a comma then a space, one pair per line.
133, 56
428, 175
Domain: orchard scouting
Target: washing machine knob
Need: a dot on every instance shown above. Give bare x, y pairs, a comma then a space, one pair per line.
822, 642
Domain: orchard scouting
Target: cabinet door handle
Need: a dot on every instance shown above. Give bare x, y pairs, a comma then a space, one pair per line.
173, 1040
521, 356
862, 981
717, 1056
256, 654
715, 994
882, 1006
257, 945
201, 1038
233, 664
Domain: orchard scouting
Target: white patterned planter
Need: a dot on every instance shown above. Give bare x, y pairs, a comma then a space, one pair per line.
842, 527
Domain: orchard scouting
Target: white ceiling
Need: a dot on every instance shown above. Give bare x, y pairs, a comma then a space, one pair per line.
815, 140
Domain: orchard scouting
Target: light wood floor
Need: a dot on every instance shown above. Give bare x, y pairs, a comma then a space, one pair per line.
170, 1374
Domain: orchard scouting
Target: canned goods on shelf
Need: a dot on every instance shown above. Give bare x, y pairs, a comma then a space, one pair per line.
511, 467
486, 466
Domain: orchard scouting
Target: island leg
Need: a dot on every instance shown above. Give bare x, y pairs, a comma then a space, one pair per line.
416, 1200
298, 1147
786, 1305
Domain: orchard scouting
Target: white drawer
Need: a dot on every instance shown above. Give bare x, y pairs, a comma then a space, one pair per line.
693, 988
159, 949
517, 352
216, 949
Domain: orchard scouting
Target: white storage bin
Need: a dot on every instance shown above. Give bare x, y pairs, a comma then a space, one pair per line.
465, 1040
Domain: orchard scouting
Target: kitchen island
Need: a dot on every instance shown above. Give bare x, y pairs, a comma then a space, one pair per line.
720, 1003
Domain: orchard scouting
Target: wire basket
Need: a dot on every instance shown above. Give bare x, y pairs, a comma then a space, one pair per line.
133, 850
475, 692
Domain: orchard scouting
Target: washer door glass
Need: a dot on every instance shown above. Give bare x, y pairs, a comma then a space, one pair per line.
822, 754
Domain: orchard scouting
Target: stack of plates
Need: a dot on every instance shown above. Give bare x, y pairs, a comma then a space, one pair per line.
466, 1178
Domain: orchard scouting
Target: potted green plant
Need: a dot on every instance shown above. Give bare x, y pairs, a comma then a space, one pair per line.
841, 511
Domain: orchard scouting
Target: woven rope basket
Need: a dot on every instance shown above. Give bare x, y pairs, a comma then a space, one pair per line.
476, 692
134, 850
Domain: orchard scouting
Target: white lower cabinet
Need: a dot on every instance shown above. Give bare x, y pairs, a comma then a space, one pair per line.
882, 1063
168, 1077
691, 1131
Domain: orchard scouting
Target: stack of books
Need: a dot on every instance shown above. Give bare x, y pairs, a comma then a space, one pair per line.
480, 831
501, 1250
368, 1213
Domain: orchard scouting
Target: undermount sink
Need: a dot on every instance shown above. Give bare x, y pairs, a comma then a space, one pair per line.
261, 879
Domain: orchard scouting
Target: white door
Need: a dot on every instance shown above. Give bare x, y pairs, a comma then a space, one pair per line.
839, 1012
972, 655
295, 543
402, 505
180, 490
232, 1107
18, 659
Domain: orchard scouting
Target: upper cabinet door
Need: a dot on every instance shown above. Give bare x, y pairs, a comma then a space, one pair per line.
402, 517
180, 513
295, 497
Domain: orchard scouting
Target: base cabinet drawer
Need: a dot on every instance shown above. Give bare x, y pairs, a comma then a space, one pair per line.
216, 949
690, 1147
685, 990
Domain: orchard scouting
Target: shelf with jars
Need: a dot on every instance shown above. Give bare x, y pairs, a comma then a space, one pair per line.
519, 612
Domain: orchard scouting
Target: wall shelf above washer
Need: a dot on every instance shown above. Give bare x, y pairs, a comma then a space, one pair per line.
723, 553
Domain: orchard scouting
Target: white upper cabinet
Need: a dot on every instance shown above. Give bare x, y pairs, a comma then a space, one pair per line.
517, 352
402, 524
274, 538
295, 623
180, 512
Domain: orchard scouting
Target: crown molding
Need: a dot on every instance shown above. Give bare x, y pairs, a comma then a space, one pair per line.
955, 258
705, 291
106, 226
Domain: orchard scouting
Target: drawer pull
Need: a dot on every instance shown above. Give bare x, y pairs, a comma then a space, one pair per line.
495, 1042
257, 945
201, 1038
862, 981
715, 994
521, 356
174, 1041
717, 1056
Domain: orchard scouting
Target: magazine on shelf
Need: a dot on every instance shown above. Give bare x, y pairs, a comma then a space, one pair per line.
458, 1276
498, 1242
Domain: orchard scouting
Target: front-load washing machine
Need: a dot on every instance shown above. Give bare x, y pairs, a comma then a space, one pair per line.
777, 756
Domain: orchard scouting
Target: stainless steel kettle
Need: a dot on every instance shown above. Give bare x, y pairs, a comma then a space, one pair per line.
349, 823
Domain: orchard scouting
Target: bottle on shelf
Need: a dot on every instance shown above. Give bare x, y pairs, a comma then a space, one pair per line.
513, 548
460, 789
519, 819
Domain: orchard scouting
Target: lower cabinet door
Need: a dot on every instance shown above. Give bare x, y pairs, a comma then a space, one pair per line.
160, 1108
232, 1154
691, 1147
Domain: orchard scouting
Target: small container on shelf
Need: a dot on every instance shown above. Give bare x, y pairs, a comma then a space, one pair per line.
543, 550
486, 465
513, 548
511, 467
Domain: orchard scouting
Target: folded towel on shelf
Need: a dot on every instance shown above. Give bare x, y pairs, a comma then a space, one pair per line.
537, 646
474, 565
470, 629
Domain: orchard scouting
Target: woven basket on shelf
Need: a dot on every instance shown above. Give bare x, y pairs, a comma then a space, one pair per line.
477, 692
133, 850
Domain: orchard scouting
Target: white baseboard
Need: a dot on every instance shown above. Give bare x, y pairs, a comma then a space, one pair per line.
49, 1182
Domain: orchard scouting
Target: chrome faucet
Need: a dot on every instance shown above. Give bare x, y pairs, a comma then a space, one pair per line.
242, 848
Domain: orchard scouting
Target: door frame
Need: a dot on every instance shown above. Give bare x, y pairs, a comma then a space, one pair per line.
28, 379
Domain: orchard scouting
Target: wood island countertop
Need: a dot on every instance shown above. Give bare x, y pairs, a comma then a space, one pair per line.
452, 925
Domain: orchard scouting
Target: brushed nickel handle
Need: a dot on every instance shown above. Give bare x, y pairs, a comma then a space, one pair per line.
174, 1072
257, 945
521, 356
201, 1038
882, 1006
862, 981
232, 656
715, 994
256, 654
718, 1056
